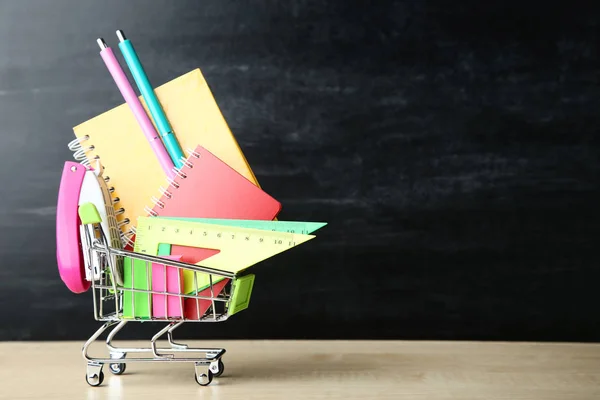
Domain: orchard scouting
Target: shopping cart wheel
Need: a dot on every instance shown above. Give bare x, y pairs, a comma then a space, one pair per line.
204, 379
217, 368
95, 379
117, 368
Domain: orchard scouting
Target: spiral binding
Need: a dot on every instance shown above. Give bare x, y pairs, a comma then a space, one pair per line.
171, 182
149, 211
179, 173
166, 193
157, 202
193, 153
127, 239
186, 162
81, 151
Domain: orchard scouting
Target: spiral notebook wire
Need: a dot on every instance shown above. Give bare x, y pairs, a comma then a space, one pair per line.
80, 154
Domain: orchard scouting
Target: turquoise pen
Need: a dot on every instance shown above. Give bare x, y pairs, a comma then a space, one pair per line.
156, 110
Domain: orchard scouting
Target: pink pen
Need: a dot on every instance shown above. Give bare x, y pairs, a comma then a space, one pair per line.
136, 107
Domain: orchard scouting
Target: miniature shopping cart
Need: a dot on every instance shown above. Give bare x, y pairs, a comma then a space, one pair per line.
109, 300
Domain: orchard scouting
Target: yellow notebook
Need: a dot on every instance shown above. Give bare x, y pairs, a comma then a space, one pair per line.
129, 163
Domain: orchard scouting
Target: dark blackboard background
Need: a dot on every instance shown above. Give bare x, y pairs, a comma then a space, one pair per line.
452, 147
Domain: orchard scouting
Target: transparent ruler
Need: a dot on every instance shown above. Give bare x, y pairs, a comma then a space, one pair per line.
239, 248
304, 227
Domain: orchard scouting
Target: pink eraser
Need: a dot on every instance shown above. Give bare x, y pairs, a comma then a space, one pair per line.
166, 305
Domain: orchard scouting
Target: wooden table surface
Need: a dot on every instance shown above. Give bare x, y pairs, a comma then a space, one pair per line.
316, 370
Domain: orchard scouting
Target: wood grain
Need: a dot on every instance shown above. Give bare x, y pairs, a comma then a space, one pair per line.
320, 369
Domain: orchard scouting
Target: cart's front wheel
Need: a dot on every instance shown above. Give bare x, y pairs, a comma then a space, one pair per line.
95, 379
204, 379
217, 368
117, 368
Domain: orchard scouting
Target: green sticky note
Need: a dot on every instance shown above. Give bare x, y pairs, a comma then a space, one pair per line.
240, 294
137, 276
164, 249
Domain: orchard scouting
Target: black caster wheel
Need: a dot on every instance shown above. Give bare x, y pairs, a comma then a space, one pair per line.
95, 380
217, 369
117, 368
204, 379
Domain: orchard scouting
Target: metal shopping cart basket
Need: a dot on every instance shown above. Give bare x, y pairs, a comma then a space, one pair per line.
109, 300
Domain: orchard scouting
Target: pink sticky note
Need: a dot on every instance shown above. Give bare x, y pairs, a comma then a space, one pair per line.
166, 305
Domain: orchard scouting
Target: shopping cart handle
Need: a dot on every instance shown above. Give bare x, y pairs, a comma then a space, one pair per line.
89, 214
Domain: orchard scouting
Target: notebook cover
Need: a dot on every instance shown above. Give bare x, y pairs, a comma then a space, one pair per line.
130, 163
212, 189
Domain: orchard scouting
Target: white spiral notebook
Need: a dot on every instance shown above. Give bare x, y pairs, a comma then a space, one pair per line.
95, 190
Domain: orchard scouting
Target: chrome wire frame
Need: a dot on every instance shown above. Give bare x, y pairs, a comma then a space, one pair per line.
105, 290
119, 353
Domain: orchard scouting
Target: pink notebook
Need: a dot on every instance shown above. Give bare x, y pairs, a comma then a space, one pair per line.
171, 279
206, 187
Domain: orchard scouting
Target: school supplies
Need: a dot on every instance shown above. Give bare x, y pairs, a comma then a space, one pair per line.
207, 187
207, 361
239, 248
116, 139
145, 88
195, 308
188, 258
95, 191
278, 226
241, 291
69, 255
138, 276
143, 276
136, 107
240, 294
167, 279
